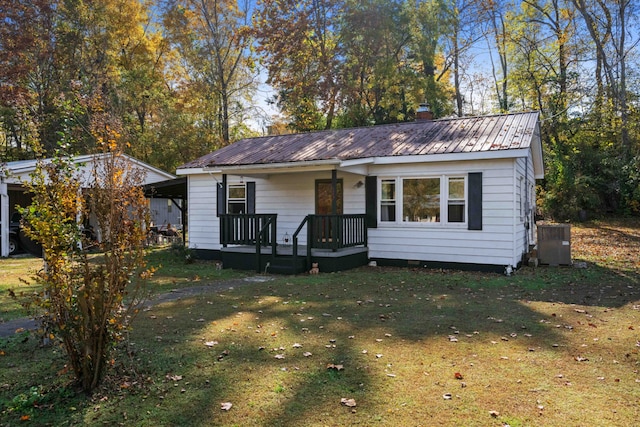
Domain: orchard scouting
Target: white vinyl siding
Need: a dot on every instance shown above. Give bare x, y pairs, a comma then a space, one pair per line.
203, 225
452, 242
291, 196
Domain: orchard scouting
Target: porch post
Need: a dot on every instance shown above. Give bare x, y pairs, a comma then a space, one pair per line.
333, 223
4, 218
334, 192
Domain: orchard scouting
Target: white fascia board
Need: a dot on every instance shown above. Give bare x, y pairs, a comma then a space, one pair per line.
144, 165
267, 168
356, 166
190, 171
22, 169
356, 162
452, 157
536, 153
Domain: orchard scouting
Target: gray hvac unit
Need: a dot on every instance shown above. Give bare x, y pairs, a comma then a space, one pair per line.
554, 244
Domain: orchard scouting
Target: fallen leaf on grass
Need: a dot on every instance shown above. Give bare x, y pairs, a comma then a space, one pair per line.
580, 359
336, 367
458, 376
225, 406
174, 377
351, 403
447, 396
494, 414
307, 354
279, 356
210, 343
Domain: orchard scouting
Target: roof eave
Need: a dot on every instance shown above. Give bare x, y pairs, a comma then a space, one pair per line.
452, 157
304, 166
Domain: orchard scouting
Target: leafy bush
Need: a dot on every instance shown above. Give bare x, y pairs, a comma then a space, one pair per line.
83, 297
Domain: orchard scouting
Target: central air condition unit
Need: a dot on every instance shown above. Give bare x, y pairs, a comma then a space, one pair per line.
554, 244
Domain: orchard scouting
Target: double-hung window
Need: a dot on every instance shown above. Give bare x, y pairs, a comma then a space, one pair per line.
430, 200
388, 200
456, 199
237, 199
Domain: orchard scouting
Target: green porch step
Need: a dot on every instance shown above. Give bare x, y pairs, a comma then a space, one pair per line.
286, 265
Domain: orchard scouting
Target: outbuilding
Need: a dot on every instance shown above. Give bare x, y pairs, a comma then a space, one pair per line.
13, 194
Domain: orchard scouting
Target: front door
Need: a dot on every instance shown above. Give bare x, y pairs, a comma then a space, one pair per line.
324, 226
324, 193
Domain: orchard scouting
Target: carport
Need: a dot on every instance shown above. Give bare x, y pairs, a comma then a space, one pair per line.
174, 190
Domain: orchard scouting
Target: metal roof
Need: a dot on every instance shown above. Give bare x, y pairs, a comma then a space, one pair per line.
447, 136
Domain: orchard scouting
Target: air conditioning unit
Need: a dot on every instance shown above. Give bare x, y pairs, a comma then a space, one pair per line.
554, 244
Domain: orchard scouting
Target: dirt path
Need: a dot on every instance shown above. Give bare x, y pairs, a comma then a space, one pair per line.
11, 327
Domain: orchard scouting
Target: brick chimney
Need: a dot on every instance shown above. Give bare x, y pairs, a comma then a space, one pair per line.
423, 113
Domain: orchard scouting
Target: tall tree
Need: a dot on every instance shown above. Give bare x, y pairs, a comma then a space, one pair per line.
429, 22
496, 12
379, 84
466, 27
606, 22
214, 42
300, 46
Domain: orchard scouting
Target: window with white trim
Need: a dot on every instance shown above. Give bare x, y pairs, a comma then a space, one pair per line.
436, 200
236, 199
456, 199
388, 200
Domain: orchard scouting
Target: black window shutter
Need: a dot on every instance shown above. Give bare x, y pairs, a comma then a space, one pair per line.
475, 201
221, 200
371, 202
251, 197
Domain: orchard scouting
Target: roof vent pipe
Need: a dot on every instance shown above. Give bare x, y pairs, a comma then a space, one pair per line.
423, 113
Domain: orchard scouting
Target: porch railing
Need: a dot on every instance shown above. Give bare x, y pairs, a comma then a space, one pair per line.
331, 232
337, 231
323, 232
248, 229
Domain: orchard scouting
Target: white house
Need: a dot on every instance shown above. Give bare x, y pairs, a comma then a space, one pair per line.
12, 192
444, 193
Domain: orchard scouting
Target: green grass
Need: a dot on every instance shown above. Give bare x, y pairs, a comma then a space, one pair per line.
11, 271
544, 347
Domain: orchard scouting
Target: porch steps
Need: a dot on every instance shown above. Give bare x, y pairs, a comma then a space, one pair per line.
285, 265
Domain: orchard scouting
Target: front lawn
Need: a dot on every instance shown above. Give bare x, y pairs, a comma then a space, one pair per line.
544, 347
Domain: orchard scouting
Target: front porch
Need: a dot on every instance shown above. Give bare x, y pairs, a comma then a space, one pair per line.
335, 242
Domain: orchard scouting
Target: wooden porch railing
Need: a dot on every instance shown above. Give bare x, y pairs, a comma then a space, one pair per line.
245, 229
337, 231
331, 232
323, 232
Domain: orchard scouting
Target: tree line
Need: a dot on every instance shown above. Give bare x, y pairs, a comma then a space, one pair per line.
180, 78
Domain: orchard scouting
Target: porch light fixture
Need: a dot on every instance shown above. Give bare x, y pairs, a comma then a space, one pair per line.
358, 184
285, 239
